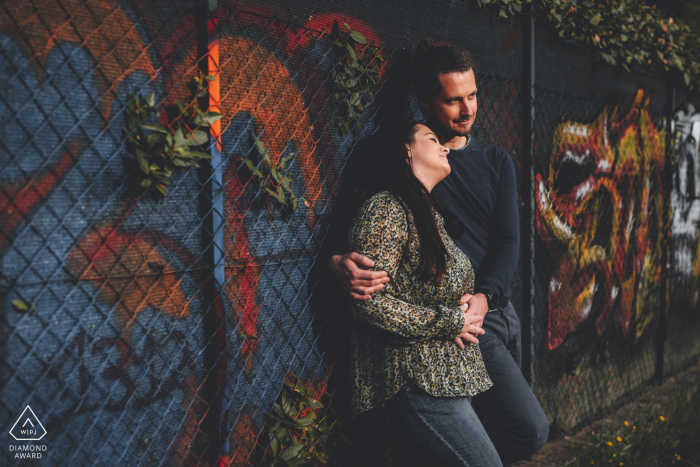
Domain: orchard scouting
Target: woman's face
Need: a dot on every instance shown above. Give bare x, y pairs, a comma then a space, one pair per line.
428, 157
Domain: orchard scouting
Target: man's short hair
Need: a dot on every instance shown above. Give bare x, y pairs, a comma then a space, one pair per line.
434, 58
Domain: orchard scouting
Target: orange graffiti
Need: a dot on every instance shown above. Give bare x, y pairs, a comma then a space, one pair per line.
258, 82
100, 26
602, 210
131, 275
255, 81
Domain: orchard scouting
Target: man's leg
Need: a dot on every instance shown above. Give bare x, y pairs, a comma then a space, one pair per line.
509, 411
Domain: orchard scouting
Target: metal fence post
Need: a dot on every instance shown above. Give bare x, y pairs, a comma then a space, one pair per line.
528, 197
211, 176
667, 258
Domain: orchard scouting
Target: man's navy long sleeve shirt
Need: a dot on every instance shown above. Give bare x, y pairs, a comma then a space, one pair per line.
479, 200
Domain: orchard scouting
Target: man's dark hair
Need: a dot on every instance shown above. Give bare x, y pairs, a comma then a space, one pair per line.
434, 58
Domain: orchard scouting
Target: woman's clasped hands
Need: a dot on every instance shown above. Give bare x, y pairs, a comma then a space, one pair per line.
472, 328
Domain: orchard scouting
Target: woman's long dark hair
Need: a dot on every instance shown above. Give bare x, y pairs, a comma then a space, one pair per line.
392, 172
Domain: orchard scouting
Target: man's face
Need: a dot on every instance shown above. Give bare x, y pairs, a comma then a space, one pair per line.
454, 108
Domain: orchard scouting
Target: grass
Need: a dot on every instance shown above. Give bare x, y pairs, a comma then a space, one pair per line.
661, 432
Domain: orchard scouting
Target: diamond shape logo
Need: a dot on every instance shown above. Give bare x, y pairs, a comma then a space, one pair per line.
28, 427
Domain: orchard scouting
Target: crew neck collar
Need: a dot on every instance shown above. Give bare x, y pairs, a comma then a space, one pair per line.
469, 140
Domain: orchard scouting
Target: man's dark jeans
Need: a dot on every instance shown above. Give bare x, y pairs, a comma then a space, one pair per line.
509, 411
425, 431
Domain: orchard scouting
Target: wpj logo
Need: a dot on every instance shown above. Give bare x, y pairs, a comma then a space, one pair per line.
28, 427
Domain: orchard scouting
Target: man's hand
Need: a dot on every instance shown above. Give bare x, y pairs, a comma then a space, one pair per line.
359, 283
478, 306
471, 328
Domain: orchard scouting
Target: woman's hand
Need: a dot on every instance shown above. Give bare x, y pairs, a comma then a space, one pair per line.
470, 329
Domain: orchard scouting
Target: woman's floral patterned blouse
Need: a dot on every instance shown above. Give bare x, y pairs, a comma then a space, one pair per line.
406, 332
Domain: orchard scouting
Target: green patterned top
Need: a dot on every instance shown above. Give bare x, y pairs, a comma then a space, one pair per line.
406, 332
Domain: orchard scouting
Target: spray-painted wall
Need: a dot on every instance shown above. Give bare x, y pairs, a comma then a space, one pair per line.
159, 330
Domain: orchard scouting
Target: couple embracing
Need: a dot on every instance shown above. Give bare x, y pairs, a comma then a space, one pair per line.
435, 339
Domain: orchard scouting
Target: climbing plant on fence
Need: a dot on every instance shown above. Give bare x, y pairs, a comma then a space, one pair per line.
625, 32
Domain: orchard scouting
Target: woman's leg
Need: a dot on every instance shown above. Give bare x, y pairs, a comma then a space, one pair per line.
438, 430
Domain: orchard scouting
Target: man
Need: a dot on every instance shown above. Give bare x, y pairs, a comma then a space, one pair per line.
479, 201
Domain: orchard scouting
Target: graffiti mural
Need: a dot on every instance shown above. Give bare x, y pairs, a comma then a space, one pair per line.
685, 202
113, 351
601, 211
119, 277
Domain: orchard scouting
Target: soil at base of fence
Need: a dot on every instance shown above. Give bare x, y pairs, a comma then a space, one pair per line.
562, 452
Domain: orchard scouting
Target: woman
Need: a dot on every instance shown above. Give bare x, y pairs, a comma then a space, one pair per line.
409, 360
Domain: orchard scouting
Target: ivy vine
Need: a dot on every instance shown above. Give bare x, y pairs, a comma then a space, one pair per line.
158, 150
356, 72
297, 432
274, 180
625, 32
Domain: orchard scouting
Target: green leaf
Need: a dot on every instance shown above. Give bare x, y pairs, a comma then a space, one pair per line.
154, 138
292, 452
285, 184
357, 37
686, 78
259, 145
151, 99
145, 182
315, 404
352, 52
201, 137
20, 306
206, 119
275, 445
180, 106
162, 189
201, 155
249, 164
677, 61
608, 58
159, 128
274, 195
143, 161
213, 117
179, 138
287, 159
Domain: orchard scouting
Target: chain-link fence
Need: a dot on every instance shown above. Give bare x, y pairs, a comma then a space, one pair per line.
145, 329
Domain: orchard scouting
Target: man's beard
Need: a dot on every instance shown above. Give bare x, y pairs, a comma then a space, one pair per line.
465, 132
434, 125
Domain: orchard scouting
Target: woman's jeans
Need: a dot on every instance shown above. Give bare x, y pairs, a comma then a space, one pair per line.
425, 431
